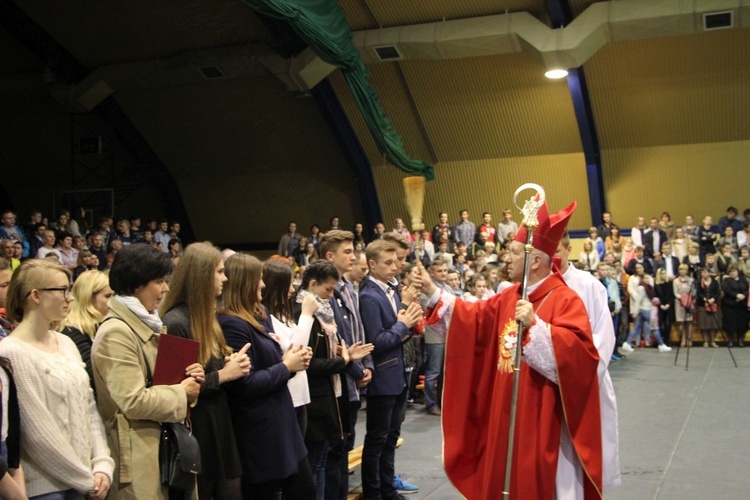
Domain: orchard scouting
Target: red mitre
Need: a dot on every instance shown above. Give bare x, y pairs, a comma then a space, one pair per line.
549, 232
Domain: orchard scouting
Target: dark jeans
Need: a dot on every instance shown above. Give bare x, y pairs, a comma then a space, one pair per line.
384, 417
299, 486
337, 467
317, 455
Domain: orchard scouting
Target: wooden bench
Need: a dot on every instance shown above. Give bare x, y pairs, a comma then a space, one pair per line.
355, 462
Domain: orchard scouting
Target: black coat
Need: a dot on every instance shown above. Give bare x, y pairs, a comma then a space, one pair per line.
327, 415
731, 289
265, 423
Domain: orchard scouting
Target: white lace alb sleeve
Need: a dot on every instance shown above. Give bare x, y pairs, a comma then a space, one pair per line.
538, 351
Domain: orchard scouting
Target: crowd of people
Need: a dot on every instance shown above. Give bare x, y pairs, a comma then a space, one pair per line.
290, 346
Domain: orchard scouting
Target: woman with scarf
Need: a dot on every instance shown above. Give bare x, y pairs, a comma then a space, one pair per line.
327, 415
123, 354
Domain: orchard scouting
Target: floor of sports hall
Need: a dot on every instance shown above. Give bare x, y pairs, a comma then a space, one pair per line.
682, 432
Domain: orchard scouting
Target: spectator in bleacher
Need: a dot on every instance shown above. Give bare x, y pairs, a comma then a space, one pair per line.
272, 450
36, 239
665, 292
605, 230
123, 232
419, 254
135, 228
490, 251
7, 252
96, 247
598, 241
707, 237
289, 241
147, 236
65, 224
6, 326
477, 245
653, 238
79, 243
359, 234
507, 228
378, 230
707, 305
641, 291
487, 227
724, 259
613, 238
589, 257
333, 223
315, 236
175, 250
189, 311
10, 231
670, 263
667, 225
35, 217
162, 235
443, 253
68, 254
729, 238
78, 221
83, 264
730, 219
679, 243
152, 225
65, 452
639, 258
115, 247
174, 230
49, 245
400, 228
693, 261
743, 263
442, 228
682, 288
464, 230
18, 251
734, 306
743, 237
453, 283
690, 229
476, 287
638, 232
91, 293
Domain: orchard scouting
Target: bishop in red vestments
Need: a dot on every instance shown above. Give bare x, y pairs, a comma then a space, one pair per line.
557, 450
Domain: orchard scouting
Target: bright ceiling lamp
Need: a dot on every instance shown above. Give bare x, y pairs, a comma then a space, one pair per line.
556, 74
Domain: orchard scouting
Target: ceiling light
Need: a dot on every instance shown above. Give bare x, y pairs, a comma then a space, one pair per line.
555, 74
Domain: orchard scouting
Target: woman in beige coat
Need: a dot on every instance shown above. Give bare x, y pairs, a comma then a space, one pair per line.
131, 411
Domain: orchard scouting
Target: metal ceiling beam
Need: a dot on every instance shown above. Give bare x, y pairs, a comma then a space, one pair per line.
70, 71
560, 16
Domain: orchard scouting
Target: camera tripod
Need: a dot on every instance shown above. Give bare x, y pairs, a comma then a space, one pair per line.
690, 312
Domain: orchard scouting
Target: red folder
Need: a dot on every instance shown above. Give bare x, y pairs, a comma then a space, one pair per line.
174, 355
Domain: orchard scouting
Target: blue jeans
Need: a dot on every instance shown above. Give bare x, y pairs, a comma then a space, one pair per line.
317, 454
384, 417
433, 374
640, 327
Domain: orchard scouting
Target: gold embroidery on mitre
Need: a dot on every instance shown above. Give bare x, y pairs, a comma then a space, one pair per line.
506, 344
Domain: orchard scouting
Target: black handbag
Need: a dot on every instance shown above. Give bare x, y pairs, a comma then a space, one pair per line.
179, 452
179, 456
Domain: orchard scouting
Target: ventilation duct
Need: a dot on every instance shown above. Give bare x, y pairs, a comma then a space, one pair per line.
569, 47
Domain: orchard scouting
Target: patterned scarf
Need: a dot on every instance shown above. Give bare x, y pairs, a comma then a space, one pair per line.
324, 315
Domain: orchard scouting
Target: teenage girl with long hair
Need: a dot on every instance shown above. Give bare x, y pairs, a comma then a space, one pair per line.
189, 311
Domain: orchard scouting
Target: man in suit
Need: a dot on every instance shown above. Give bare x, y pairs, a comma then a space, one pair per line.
639, 259
668, 262
337, 247
387, 327
653, 238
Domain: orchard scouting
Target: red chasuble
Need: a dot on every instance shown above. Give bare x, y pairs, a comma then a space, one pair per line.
477, 397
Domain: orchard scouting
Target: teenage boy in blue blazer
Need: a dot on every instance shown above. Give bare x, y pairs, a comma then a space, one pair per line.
387, 327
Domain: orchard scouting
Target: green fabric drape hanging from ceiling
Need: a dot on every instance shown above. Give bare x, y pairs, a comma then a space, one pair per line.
322, 25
